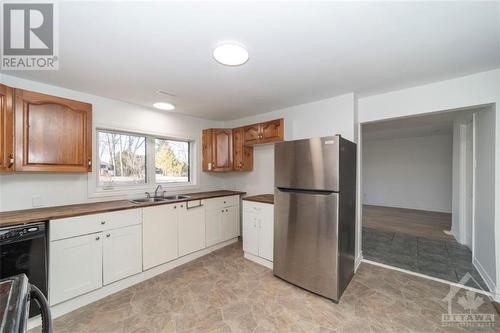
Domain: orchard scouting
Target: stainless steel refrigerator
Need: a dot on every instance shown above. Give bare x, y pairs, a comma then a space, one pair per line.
314, 213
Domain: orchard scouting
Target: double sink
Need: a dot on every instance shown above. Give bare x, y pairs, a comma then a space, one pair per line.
175, 197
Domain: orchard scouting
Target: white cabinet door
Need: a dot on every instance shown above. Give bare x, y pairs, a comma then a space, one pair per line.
266, 232
122, 253
191, 229
230, 222
250, 232
75, 267
213, 220
159, 235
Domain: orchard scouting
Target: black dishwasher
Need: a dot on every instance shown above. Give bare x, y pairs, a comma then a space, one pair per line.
23, 249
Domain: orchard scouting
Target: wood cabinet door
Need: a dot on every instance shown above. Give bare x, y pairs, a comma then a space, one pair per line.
52, 133
75, 267
159, 235
250, 232
242, 154
6, 129
272, 131
207, 148
122, 253
222, 149
213, 220
252, 134
191, 229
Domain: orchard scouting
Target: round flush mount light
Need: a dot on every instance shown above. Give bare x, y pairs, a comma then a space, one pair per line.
230, 53
164, 106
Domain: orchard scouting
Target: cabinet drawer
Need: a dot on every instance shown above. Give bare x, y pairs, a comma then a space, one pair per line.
218, 203
256, 207
81, 225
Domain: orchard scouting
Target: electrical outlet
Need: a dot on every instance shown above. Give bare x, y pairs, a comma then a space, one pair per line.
36, 201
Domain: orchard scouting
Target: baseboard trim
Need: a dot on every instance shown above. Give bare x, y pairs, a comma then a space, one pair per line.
358, 261
258, 260
486, 278
479, 291
60, 309
434, 210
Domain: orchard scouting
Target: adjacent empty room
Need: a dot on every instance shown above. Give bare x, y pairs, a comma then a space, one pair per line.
425, 186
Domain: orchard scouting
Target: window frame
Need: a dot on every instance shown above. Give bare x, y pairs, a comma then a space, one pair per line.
95, 190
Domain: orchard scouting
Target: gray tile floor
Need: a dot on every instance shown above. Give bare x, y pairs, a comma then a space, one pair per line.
447, 260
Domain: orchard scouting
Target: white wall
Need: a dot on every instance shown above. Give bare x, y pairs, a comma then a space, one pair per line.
472, 90
17, 189
484, 224
412, 172
321, 118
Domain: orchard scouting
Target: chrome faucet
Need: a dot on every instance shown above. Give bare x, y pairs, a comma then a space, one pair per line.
157, 189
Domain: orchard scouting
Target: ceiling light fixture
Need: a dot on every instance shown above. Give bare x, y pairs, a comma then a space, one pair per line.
230, 53
164, 106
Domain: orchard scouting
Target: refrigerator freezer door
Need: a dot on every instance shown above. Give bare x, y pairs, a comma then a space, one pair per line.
305, 240
307, 164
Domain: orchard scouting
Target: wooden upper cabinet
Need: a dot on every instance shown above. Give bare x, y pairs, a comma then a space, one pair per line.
270, 131
231, 150
6, 129
252, 134
242, 154
217, 149
52, 133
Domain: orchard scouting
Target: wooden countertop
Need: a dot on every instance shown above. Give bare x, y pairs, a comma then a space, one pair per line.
263, 198
17, 217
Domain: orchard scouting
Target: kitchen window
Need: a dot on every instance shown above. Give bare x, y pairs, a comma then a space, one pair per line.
171, 161
122, 158
128, 161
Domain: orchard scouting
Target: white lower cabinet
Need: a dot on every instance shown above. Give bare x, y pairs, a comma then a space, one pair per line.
222, 218
191, 228
75, 266
213, 221
159, 235
80, 263
258, 229
92, 251
122, 253
230, 222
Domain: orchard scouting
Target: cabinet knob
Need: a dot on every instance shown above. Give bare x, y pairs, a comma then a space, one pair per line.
175, 207
97, 238
103, 222
223, 210
107, 235
226, 210
11, 161
89, 162
182, 206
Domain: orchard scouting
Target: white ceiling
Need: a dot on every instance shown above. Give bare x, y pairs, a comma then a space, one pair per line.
299, 51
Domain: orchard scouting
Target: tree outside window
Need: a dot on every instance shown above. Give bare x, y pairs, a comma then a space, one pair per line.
171, 161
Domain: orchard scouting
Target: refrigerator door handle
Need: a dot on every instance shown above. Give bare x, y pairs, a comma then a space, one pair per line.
305, 191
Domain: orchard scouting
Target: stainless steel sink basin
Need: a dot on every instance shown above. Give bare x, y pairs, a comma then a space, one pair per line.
160, 199
145, 200
176, 197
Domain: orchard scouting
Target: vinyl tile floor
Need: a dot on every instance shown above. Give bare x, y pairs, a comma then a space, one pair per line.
444, 259
223, 292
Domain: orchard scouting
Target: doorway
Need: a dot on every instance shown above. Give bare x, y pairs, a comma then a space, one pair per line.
418, 191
